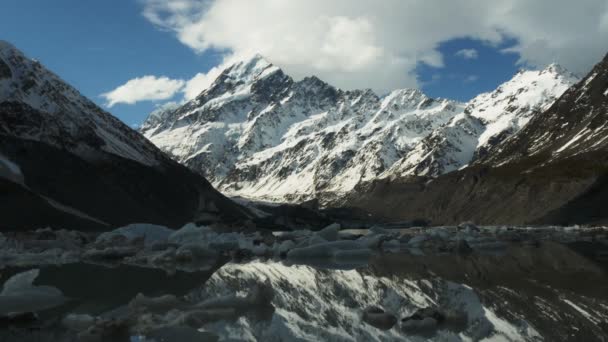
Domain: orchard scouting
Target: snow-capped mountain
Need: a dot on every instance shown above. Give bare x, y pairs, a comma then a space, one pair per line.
75, 165
257, 133
487, 120
552, 171
575, 125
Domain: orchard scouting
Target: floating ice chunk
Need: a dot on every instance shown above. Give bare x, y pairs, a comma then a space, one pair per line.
20, 295
330, 233
372, 241
379, 230
418, 239
110, 253
10, 170
284, 247
193, 251
391, 245
20, 281
190, 233
78, 323
158, 304
316, 239
150, 233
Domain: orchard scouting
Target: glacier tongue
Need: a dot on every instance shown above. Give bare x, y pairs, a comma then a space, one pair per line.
257, 133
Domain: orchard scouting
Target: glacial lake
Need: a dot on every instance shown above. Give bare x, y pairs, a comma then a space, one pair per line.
548, 291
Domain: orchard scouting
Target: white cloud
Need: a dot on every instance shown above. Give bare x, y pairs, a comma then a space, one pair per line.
468, 53
144, 88
200, 82
378, 44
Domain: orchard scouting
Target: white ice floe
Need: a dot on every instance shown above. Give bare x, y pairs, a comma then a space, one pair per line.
10, 170
20, 295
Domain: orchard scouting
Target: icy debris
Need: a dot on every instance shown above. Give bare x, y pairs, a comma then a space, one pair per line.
105, 330
330, 233
164, 303
20, 295
149, 233
192, 251
110, 253
78, 323
190, 233
284, 247
10, 170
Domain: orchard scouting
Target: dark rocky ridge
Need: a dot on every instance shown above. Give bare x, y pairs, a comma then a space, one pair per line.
84, 169
554, 171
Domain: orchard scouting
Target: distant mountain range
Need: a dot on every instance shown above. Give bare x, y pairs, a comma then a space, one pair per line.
64, 162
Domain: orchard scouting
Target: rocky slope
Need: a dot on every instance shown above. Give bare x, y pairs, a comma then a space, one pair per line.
553, 171
257, 133
65, 162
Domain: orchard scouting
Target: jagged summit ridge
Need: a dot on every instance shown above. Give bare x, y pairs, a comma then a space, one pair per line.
255, 132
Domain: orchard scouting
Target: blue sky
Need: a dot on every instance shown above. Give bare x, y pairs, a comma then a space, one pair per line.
99, 45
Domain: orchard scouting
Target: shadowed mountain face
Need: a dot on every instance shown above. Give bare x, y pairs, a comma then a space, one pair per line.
554, 171
66, 163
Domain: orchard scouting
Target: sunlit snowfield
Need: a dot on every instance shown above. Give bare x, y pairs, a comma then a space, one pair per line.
147, 283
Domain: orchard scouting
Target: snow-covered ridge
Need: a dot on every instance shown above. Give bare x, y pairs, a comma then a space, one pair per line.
257, 133
64, 117
488, 120
574, 126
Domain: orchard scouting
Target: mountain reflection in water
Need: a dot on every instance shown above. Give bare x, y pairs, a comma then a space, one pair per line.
546, 292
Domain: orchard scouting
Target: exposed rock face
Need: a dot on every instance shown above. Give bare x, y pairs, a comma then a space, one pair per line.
65, 162
552, 171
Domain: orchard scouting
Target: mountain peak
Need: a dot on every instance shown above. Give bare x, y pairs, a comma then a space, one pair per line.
250, 68
558, 70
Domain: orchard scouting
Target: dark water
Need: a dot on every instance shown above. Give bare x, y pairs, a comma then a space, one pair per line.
549, 292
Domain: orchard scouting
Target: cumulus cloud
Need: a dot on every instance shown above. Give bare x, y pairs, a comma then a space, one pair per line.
201, 81
378, 44
468, 53
144, 88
